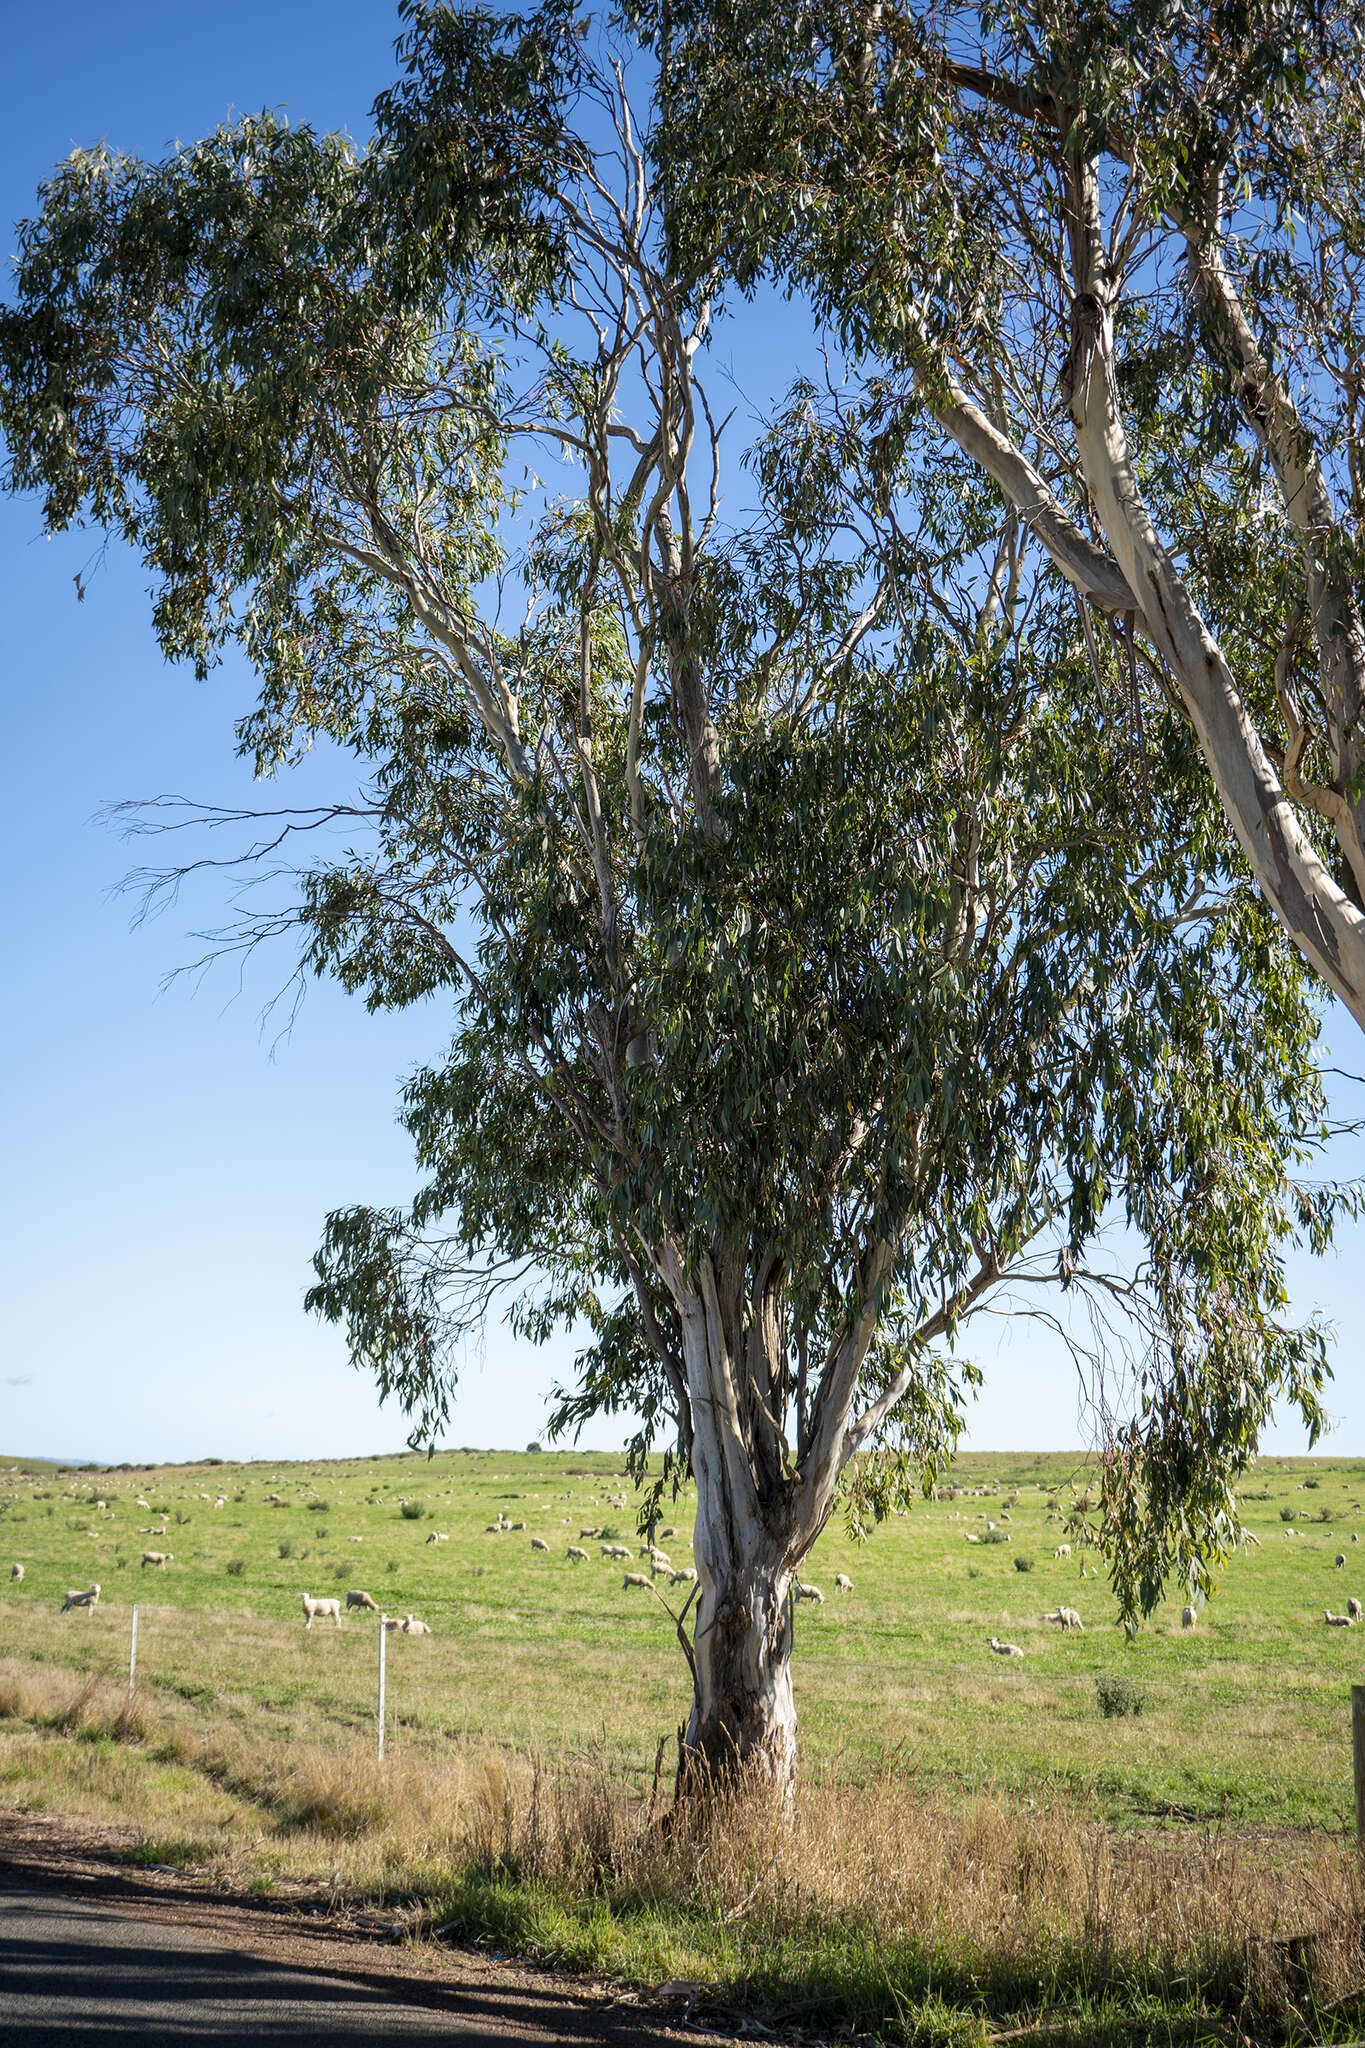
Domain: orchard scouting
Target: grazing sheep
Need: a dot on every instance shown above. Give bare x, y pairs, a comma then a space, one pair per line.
1354, 1609
389, 1622
1336, 1620
539, 1543
89, 1600
592, 1536
1066, 1618
1188, 1617
660, 1561
319, 1610
842, 1583
575, 1555
359, 1599
801, 1592
411, 1626
160, 1558
617, 1552
513, 1526
437, 1537
635, 1579
686, 1577
1339, 1560
669, 1531
1062, 1550
145, 1505
968, 1537
1004, 1649
16, 1571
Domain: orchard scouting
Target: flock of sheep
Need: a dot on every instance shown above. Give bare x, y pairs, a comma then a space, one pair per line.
648, 1564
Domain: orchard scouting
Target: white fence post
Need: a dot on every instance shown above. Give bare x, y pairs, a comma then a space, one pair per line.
383, 1643
132, 1661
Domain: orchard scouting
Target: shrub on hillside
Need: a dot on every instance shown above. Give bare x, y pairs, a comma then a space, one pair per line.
412, 1511
287, 1547
1286, 1514
1118, 1696
234, 1567
994, 1536
1023, 1564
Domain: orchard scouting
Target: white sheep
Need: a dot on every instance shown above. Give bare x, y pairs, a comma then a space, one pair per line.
356, 1598
539, 1543
413, 1627
808, 1593
159, 1558
1336, 1620
842, 1583
575, 1555
1354, 1609
1188, 1617
319, 1610
1004, 1649
669, 1531
16, 1571
437, 1537
389, 1622
968, 1537
89, 1600
1339, 1561
618, 1553
1066, 1618
1062, 1550
686, 1577
635, 1579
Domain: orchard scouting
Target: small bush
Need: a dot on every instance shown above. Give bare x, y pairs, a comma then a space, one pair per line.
392, 1565
412, 1511
533, 1449
1023, 1564
1286, 1514
339, 1571
973, 1571
234, 1567
1118, 1696
1311, 1485
286, 1549
994, 1536
318, 1507
1327, 1514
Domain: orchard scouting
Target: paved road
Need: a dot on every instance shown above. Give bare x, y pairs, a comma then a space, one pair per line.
78, 1971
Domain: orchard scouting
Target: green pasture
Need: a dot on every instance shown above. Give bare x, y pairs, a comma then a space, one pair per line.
1244, 1721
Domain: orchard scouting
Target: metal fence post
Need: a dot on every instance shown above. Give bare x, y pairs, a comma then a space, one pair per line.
383, 1644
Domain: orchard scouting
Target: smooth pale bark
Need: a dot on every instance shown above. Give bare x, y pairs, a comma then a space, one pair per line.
743, 1715
1318, 915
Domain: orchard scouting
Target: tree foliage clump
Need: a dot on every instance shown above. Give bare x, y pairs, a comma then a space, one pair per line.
1112, 253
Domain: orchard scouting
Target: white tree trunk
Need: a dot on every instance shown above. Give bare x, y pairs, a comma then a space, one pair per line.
743, 1713
747, 1550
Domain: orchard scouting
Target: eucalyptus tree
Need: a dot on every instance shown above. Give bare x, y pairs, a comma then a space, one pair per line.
1113, 252
824, 966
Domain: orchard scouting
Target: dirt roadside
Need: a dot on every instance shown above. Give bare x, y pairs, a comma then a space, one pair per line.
304, 1930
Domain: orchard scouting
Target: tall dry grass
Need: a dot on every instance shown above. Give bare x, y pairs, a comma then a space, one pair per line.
855, 1907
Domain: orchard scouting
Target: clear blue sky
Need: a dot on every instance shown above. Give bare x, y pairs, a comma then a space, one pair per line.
167, 1170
